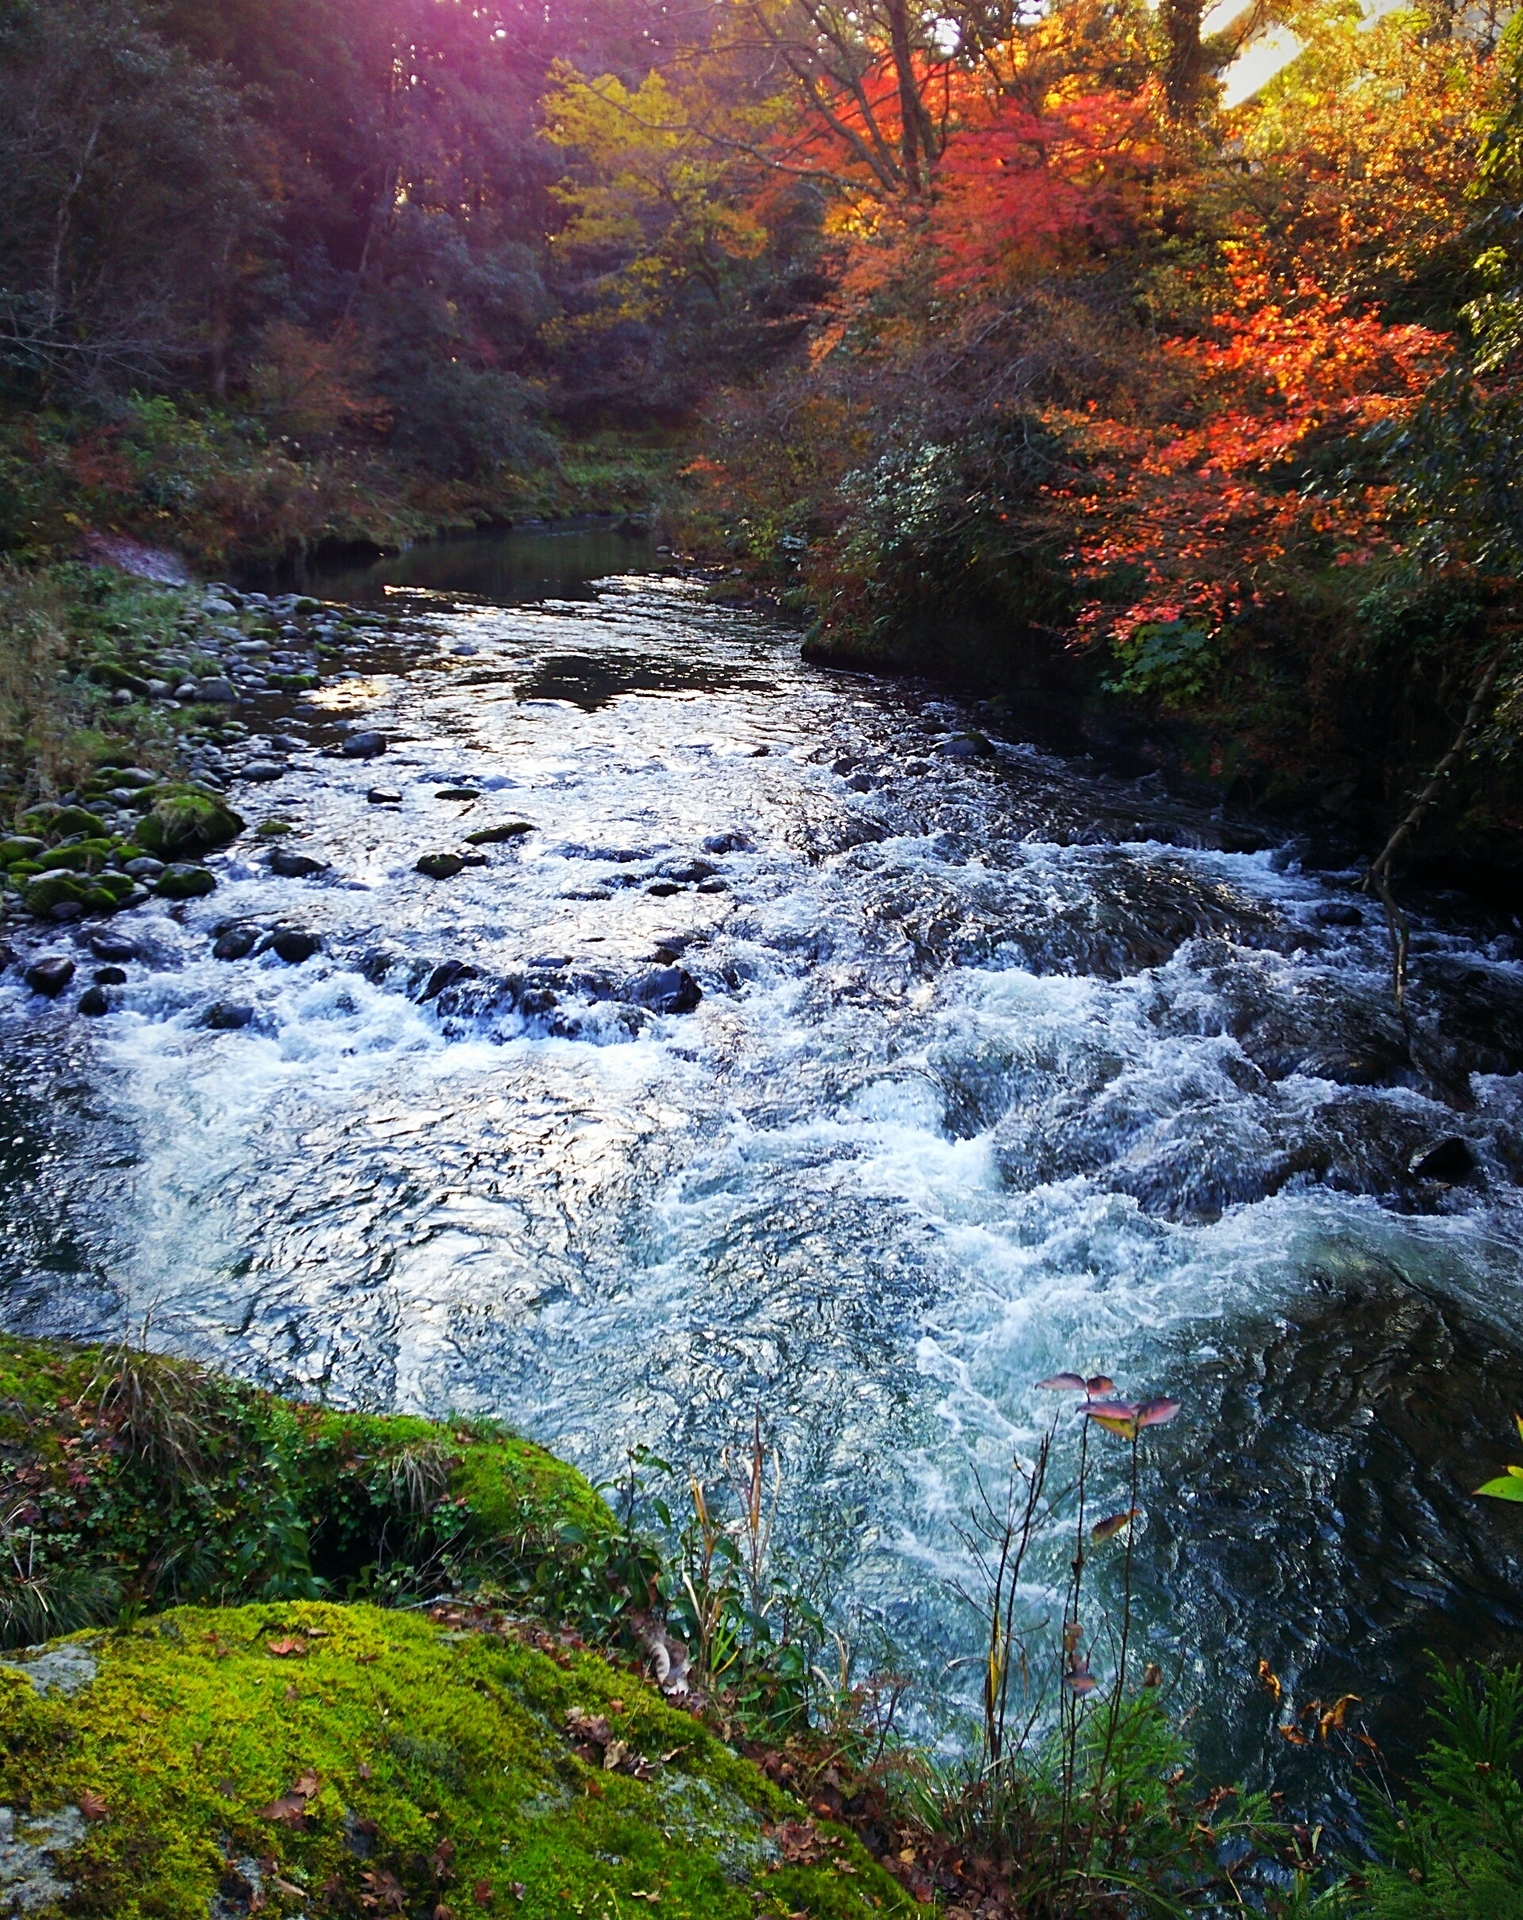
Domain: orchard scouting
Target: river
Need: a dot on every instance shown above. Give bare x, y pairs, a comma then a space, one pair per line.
1002, 1064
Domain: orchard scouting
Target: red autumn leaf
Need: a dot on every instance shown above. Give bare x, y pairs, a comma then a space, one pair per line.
482, 1893
306, 1786
383, 1892
291, 1648
289, 1811
92, 1806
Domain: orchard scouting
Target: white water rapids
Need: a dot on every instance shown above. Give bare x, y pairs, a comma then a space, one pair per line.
1000, 1067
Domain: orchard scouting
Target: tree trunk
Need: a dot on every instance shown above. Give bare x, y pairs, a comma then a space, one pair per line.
1186, 67
910, 109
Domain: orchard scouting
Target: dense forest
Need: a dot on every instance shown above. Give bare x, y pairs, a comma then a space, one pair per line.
1087, 350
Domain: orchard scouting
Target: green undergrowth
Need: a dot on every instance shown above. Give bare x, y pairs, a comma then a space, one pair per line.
324, 1759
130, 1482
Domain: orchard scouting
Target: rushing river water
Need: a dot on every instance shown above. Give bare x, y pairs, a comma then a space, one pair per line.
1001, 1065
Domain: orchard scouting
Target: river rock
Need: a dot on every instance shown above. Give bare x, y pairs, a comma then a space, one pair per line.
110, 977
666, 990
290, 865
445, 975
1337, 913
236, 944
93, 1002
384, 797
294, 946
364, 745
261, 770
182, 881
494, 836
219, 692
967, 746
186, 824
226, 1016
440, 866
50, 975
111, 946
145, 867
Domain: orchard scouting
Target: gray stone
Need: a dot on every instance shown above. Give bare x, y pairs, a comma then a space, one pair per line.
236, 944
111, 946
364, 745
29, 1848
67, 1669
144, 867
440, 866
265, 770
1448, 1160
219, 691
384, 797
94, 1001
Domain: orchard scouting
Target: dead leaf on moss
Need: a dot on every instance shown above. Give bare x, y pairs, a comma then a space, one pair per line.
290, 1648
440, 1860
290, 1810
383, 1892
92, 1806
290, 1891
800, 1842
482, 1893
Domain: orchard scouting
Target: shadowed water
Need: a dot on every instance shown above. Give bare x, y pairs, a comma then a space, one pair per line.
1000, 1066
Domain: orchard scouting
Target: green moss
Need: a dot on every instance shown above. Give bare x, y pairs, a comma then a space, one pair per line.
384, 1745
186, 823
153, 1481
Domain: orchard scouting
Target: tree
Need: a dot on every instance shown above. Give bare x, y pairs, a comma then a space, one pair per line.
130, 176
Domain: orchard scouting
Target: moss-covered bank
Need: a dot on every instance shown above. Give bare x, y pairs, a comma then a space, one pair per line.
287, 1751
311, 1758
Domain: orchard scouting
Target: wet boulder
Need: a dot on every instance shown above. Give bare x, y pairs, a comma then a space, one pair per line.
237, 943
364, 745
94, 1001
226, 1016
290, 865
49, 975
293, 945
495, 836
112, 946
666, 990
1450, 1160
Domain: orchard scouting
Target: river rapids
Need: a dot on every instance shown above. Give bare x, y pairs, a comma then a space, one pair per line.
811, 1056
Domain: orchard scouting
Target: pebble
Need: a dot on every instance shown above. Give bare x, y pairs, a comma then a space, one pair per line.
384, 797
144, 867
440, 866
110, 977
94, 1002
236, 944
364, 745
265, 770
219, 691
50, 975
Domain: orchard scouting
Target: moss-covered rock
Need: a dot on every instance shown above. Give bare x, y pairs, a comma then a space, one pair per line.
63, 823
182, 881
186, 823
19, 846
342, 1759
80, 856
149, 1480
88, 893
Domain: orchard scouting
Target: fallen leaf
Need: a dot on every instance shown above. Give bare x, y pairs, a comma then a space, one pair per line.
383, 1893
1108, 1528
306, 1785
1293, 1734
518, 1890
442, 1912
290, 1648
615, 1755
289, 1811
1063, 1383
92, 1806
228, 1789
1269, 1680
440, 1860
291, 1892
1335, 1714
364, 1770
482, 1893
291, 1693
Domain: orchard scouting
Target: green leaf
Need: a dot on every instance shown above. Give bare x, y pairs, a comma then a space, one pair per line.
1509, 1487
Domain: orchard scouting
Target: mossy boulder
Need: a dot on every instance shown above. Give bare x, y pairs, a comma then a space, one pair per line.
186, 823
311, 1758
19, 846
182, 881
88, 892
63, 823
80, 856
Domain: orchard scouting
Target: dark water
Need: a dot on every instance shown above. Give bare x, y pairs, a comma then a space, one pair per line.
1001, 1066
